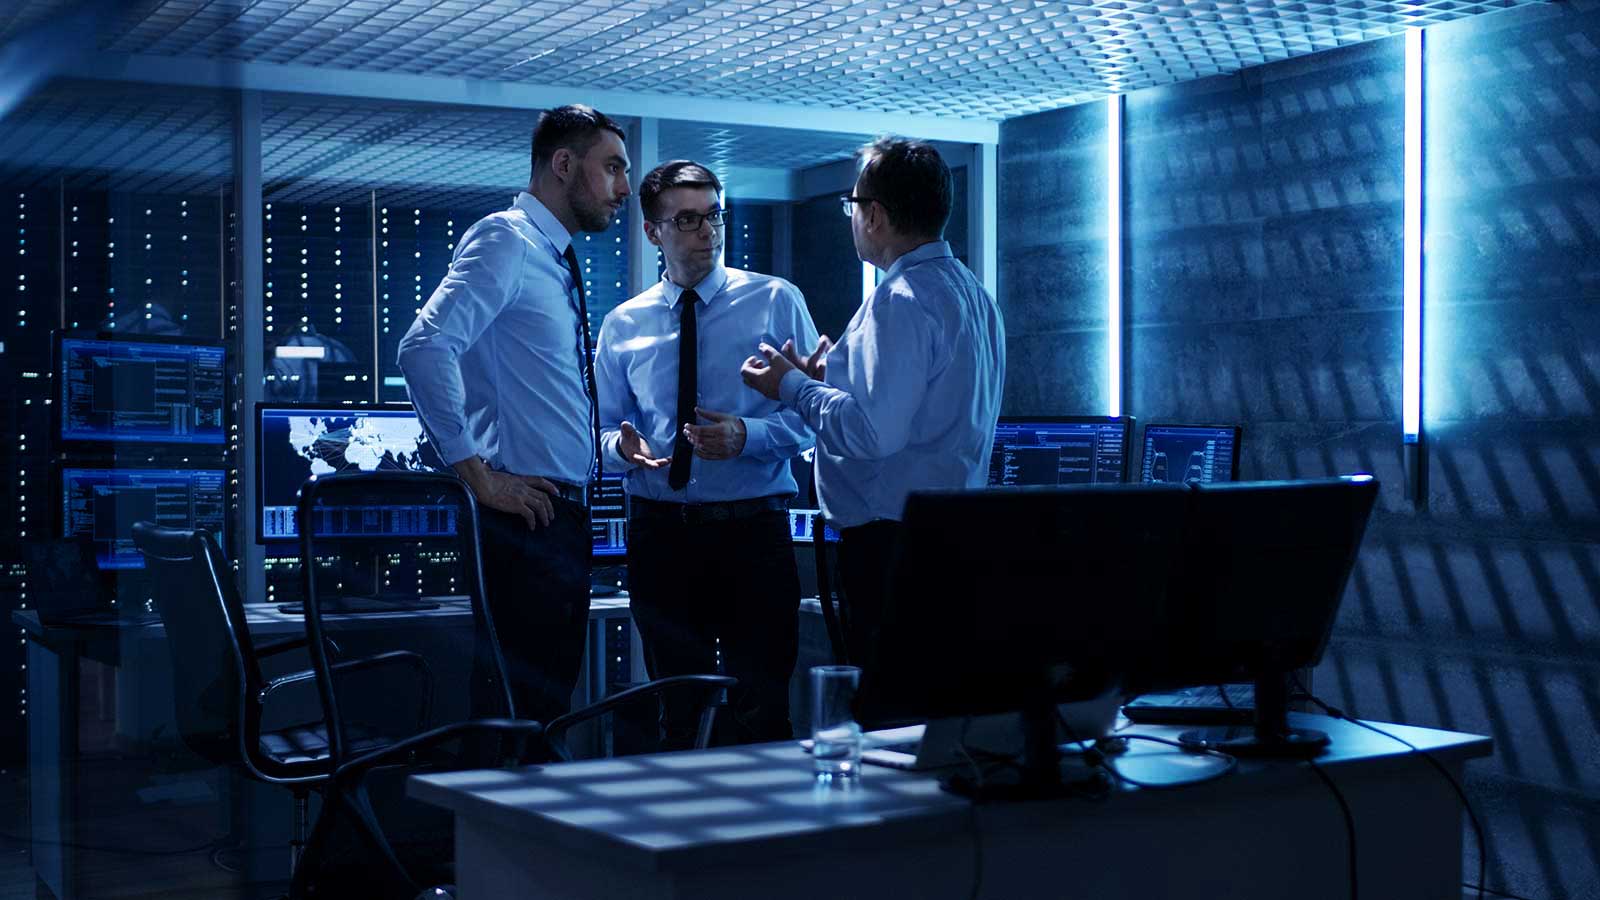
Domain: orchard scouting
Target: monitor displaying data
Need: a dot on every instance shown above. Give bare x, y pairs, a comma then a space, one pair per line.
1181, 454
297, 443
140, 391
608, 518
101, 506
1060, 450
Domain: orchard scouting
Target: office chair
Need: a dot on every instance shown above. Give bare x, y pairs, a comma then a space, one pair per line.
452, 710
705, 690
219, 692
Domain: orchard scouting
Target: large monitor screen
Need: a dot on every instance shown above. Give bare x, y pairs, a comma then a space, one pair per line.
1060, 450
1180, 454
101, 505
140, 390
296, 443
608, 518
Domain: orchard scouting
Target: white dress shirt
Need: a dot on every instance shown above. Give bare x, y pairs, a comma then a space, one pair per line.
912, 394
636, 370
493, 360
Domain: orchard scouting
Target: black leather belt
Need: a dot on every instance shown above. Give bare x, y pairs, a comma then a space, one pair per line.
568, 491
700, 513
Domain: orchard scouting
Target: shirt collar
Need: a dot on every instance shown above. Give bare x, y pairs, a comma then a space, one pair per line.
707, 288
930, 250
544, 220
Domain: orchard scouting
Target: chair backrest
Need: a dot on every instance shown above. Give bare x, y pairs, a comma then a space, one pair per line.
214, 666
418, 669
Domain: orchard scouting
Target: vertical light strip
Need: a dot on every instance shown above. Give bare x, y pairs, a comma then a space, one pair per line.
1114, 253
1411, 354
869, 280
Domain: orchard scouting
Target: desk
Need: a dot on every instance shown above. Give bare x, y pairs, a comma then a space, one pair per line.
747, 822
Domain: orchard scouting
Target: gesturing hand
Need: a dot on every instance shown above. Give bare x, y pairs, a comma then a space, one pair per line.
766, 376
722, 439
816, 365
635, 449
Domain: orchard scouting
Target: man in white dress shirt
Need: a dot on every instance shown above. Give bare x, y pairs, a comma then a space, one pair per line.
711, 566
497, 364
909, 396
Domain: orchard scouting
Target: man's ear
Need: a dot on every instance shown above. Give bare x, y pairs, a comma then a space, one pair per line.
562, 163
652, 233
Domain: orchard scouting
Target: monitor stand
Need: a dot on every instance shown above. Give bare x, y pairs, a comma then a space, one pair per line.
1037, 775
1270, 735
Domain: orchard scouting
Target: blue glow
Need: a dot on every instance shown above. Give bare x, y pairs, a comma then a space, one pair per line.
1411, 355
1114, 254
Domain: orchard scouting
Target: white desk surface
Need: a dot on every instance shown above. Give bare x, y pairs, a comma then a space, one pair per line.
682, 811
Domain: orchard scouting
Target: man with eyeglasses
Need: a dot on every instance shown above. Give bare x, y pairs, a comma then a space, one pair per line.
909, 396
496, 365
711, 568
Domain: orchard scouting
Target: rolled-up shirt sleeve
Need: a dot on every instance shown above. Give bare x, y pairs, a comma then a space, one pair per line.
482, 281
891, 360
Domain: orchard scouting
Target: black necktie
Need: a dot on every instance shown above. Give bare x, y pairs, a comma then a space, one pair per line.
586, 363
688, 338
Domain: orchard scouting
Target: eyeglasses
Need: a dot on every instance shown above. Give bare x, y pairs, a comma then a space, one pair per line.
691, 221
847, 203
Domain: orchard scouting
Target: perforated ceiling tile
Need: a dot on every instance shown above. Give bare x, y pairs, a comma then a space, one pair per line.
721, 146
961, 58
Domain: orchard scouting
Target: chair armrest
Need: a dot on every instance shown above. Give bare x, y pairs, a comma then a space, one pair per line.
366, 662
294, 643
357, 768
555, 733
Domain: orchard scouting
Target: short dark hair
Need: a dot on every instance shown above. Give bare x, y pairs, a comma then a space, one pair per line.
575, 127
674, 174
912, 182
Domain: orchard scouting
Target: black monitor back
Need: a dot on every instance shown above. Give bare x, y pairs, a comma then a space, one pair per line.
1037, 595
1264, 570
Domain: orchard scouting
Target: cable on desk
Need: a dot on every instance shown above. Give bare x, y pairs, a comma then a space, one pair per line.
1472, 815
1103, 756
1349, 822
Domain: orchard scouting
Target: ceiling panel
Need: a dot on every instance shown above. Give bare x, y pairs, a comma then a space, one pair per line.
984, 59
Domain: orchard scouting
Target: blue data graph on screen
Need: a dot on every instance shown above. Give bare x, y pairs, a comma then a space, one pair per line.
1179, 454
298, 444
608, 518
101, 505
1058, 453
144, 392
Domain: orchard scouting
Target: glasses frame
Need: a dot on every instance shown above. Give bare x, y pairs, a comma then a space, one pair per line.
848, 203
679, 221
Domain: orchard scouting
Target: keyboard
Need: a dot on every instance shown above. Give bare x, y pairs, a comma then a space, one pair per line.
1195, 706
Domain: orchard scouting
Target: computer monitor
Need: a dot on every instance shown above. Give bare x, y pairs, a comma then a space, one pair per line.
1264, 570
298, 442
1060, 450
1017, 599
1180, 454
101, 505
142, 390
608, 520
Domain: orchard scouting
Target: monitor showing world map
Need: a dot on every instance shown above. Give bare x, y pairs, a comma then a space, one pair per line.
298, 443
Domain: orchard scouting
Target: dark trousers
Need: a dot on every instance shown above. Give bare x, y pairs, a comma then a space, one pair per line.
538, 587
866, 559
697, 588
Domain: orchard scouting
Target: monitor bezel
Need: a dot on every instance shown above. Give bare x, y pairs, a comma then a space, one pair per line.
1127, 423
104, 448
58, 488
259, 475
1238, 435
